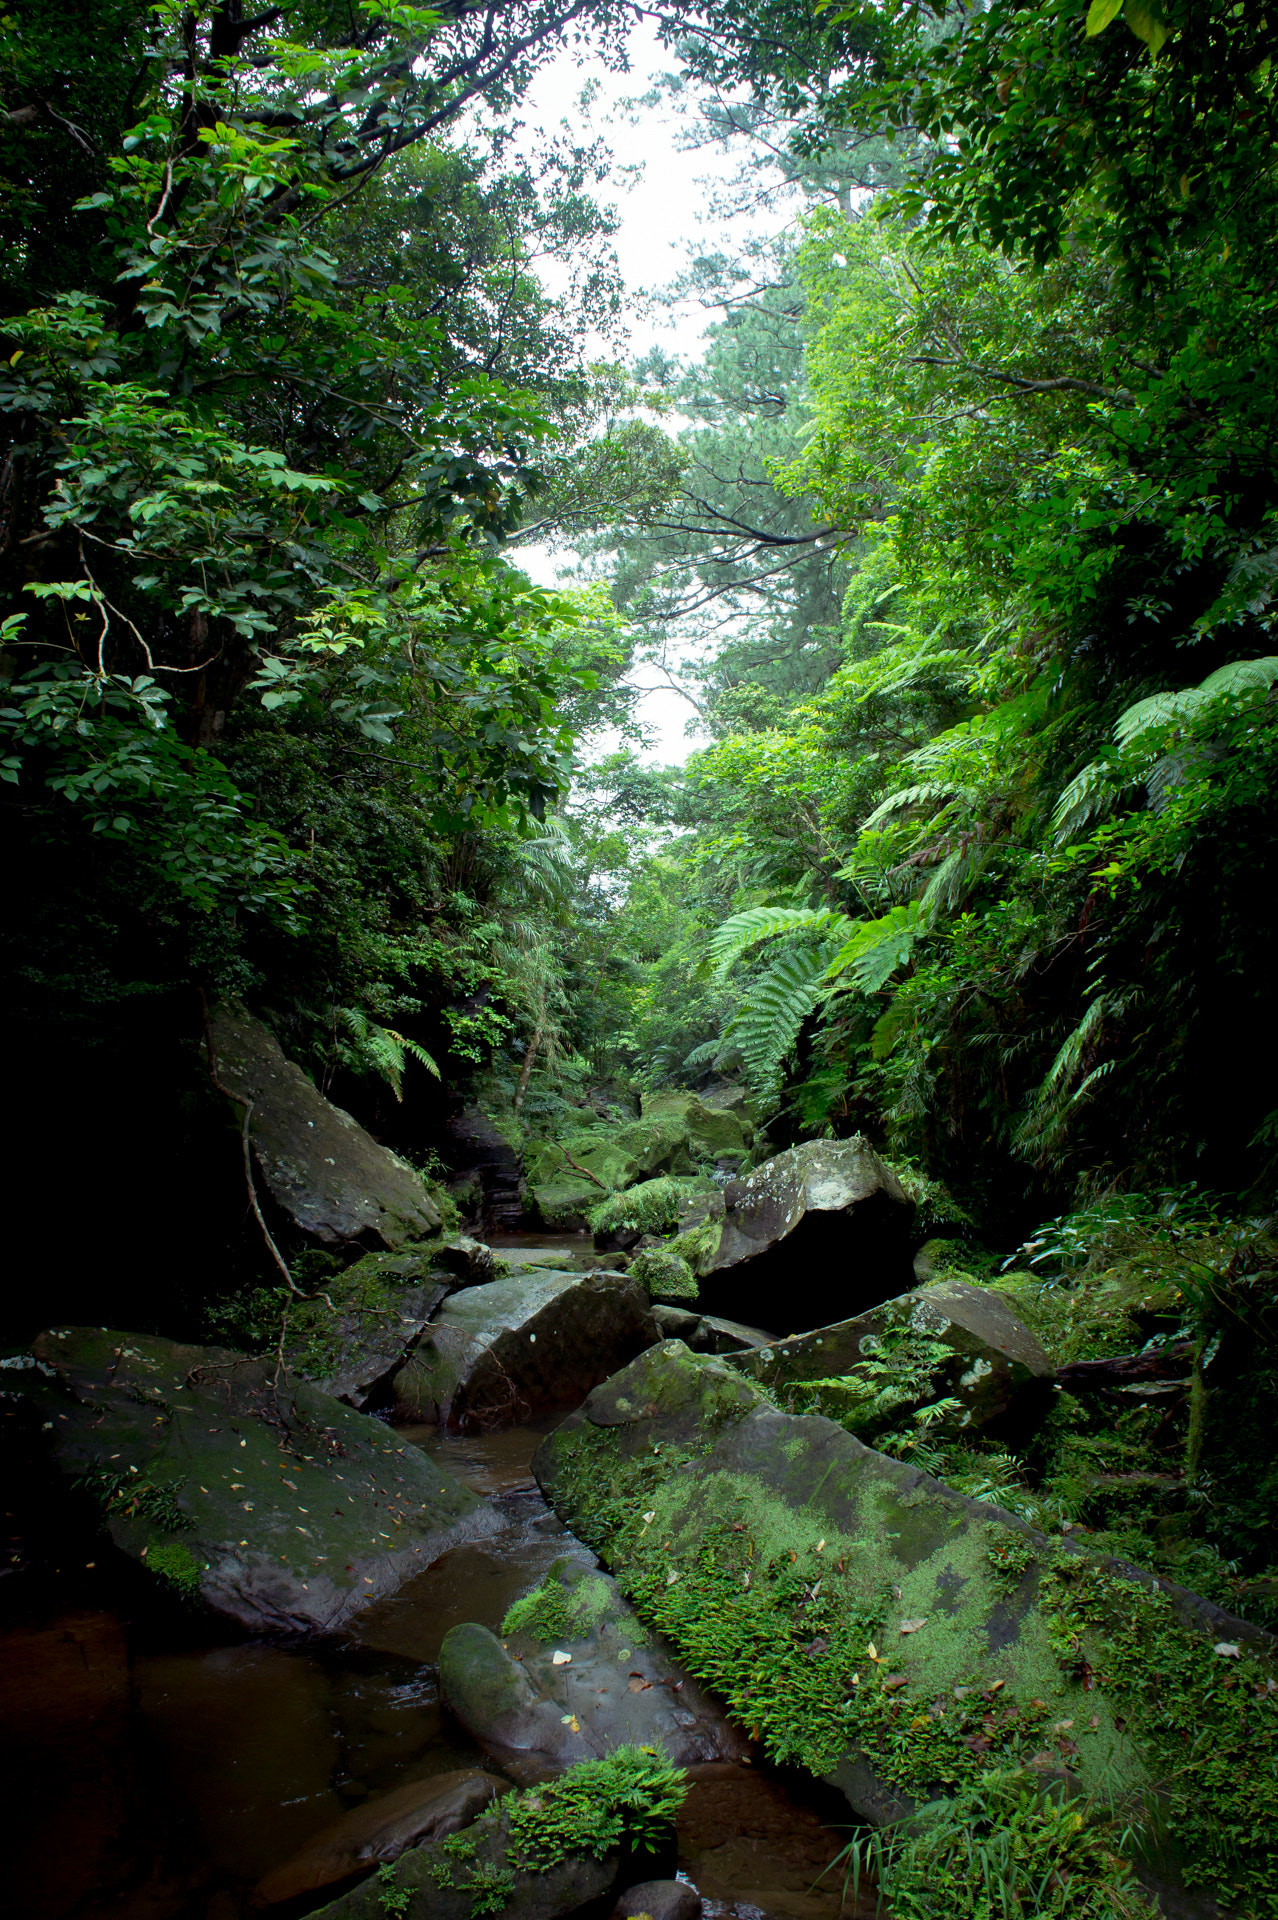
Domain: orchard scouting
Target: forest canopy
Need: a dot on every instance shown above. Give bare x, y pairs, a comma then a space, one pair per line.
957, 538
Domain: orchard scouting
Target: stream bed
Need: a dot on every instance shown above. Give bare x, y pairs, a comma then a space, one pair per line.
155, 1767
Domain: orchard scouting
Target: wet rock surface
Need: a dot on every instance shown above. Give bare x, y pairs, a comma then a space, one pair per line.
815, 1234
708, 1332
284, 1509
573, 1675
948, 1340
379, 1831
498, 1354
330, 1178
659, 1900
489, 1179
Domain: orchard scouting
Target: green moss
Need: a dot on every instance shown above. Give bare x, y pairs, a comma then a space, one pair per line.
698, 1245
664, 1275
654, 1206
555, 1612
173, 1562
1208, 1723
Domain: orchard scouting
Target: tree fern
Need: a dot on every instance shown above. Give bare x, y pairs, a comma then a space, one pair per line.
745, 930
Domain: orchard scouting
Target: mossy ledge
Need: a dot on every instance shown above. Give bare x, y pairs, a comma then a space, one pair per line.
876, 1628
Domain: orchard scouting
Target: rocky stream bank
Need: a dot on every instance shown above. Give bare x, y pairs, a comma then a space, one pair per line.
639, 1558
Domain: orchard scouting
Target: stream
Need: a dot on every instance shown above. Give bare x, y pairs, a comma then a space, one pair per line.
156, 1767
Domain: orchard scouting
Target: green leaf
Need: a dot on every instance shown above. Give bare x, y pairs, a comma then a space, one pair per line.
1100, 13
1146, 22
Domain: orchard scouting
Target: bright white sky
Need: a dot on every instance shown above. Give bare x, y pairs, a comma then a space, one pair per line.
662, 215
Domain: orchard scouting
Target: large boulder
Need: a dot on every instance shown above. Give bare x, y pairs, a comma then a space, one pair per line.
380, 1831
502, 1353
234, 1481
901, 1640
816, 1233
331, 1180
948, 1342
354, 1335
576, 1674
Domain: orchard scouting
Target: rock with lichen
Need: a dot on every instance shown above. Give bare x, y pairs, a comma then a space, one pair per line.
235, 1482
813, 1235
899, 1639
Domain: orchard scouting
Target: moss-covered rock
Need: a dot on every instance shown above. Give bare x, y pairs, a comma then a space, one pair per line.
955, 1352
653, 1207
714, 1132
663, 1274
575, 1674
502, 1353
536, 1855
352, 1336
902, 1640
293, 1511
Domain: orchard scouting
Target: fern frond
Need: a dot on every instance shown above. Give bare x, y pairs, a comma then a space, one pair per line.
876, 948
745, 930
703, 1056
907, 797
1089, 795
767, 1025
381, 1049
951, 883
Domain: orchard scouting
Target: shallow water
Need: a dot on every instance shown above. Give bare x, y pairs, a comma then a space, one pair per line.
154, 1770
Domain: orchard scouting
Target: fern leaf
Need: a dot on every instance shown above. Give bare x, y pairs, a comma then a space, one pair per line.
1089, 795
745, 930
767, 1025
907, 797
877, 947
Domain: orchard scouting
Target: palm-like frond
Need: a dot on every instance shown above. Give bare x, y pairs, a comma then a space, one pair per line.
876, 948
924, 795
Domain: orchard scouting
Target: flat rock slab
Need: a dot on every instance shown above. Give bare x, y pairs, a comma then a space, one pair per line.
327, 1175
574, 1675
499, 1354
816, 1233
946, 1341
380, 1830
286, 1510
894, 1634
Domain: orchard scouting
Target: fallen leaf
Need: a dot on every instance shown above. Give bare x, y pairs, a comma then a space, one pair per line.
639, 1686
1051, 1760
648, 1518
912, 1626
996, 1684
893, 1681
672, 1576
919, 1720
1229, 1648
820, 1546
558, 1659
872, 1651
1062, 1726
961, 1693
